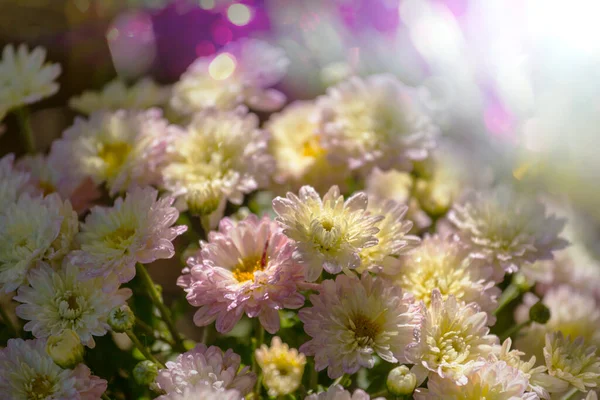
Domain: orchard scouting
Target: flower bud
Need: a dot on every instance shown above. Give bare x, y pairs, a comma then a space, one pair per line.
539, 313
145, 372
401, 382
121, 318
203, 199
65, 349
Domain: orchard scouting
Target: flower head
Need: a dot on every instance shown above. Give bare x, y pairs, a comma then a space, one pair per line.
353, 319
282, 367
203, 391
65, 348
13, 182
246, 267
137, 229
330, 233
337, 392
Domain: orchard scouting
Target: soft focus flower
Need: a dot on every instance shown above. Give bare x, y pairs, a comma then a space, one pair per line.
337, 392
240, 73
507, 229
452, 337
444, 264
209, 365
203, 391
282, 367
13, 182
116, 95
27, 372
377, 121
353, 319
220, 155
246, 267
34, 230
401, 381
24, 77
122, 148
330, 233
145, 372
56, 301
65, 348
135, 230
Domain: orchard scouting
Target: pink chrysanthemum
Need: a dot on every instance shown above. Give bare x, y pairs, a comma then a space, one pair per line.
203, 391
337, 392
246, 267
353, 319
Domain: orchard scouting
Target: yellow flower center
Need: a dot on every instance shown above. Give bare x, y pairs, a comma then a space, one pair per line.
327, 224
312, 147
46, 187
39, 388
114, 156
365, 330
245, 269
120, 238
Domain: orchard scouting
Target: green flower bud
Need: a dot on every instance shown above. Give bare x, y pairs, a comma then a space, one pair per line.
145, 372
203, 200
539, 313
65, 349
401, 382
121, 318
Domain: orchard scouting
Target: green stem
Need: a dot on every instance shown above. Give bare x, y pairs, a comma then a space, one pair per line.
570, 393
9, 322
208, 334
509, 294
152, 332
105, 396
257, 341
339, 380
313, 378
514, 329
156, 299
28, 138
143, 349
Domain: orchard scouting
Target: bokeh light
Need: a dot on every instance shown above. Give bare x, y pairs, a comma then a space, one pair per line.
222, 66
239, 14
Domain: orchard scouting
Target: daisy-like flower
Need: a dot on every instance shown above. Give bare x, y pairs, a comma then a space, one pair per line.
240, 73
221, 155
27, 372
13, 182
453, 336
34, 230
122, 148
507, 229
442, 263
282, 367
246, 267
55, 301
354, 319
572, 361
209, 365
116, 95
135, 230
377, 121
203, 391
24, 77
330, 233
490, 381
337, 392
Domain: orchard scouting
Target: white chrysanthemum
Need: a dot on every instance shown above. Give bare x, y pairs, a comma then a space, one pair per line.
135, 230
24, 77
121, 148
377, 121
282, 367
443, 263
330, 233
55, 301
453, 336
34, 230
222, 154
12, 182
337, 392
572, 361
353, 319
240, 73
203, 391
490, 381
116, 95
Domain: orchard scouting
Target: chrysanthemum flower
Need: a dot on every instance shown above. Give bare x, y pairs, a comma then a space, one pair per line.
452, 337
330, 233
246, 267
27, 372
507, 229
490, 381
377, 121
34, 230
59, 300
122, 148
282, 367
240, 73
444, 264
221, 154
203, 391
572, 361
137, 229
24, 77
354, 319
13, 182
209, 365
337, 392
116, 95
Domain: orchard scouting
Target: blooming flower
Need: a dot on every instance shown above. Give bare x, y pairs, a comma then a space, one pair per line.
507, 229
135, 230
209, 365
27, 372
282, 367
377, 121
330, 233
59, 300
34, 230
24, 77
240, 73
337, 392
116, 95
353, 319
12, 182
202, 391
452, 337
246, 267
121, 148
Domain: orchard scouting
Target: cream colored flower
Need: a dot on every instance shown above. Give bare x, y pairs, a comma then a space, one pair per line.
337, 392
203, 391
13, 182
282, 367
